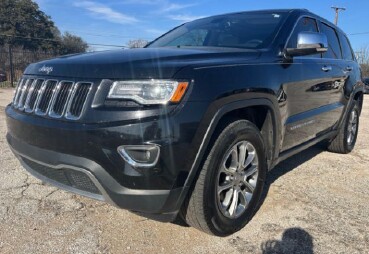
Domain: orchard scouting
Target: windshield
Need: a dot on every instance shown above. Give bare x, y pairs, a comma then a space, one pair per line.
242, 30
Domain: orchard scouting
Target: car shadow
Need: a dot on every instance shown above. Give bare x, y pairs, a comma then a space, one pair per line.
294, 240
293, 162
290, 164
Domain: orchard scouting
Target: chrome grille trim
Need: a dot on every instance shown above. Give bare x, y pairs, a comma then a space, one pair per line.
23, 93
24, 96
33, 94
17, 92
69, 115
52, 112
52, 98
39, 111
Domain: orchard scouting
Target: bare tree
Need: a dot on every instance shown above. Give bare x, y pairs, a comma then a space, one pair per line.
139, 43
363, 58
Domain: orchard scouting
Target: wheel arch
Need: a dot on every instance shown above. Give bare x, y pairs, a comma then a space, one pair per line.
270, 130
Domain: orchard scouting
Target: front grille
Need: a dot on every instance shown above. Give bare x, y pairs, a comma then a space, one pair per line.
66, 176
52, 98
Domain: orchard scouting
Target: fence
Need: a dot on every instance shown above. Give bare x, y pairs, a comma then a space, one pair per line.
14, 61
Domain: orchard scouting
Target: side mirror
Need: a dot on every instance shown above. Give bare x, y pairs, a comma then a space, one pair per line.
308, 43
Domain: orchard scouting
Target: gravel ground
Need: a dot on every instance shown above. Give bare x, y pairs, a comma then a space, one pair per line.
317, 202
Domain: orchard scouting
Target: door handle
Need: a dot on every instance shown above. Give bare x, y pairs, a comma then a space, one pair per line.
349, 68
326, 68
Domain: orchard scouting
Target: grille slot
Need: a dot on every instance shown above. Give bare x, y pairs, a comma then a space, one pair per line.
64, 90
66, 176
18, 92
47, 92
52, 98
32, 95
24, 93
78, 99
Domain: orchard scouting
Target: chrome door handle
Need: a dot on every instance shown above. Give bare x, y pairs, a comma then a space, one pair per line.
349, 68
326, 68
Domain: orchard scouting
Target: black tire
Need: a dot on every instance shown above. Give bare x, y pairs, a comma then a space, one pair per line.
340, 144
201, 208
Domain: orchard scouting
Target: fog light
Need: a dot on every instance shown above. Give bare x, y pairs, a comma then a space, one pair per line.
141, 156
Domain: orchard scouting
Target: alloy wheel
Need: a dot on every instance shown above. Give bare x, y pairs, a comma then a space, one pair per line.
237, 179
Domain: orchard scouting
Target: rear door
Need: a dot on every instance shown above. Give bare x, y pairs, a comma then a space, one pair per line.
334, 58
350, 67
315, 88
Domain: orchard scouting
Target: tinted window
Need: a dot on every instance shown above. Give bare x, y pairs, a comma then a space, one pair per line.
195, 37
346, 48
242, 30
303, 25
334, 50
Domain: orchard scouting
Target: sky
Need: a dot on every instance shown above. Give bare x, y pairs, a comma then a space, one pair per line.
115, 22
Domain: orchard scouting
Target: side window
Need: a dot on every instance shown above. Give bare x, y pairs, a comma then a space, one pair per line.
346, 48
304, 25
334, 50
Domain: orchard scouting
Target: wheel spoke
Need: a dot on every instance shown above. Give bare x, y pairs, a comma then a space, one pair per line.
349, 127
354, 128
352, 117
247, 196
250, 186
233, 207
349, 139
227, 199
250, 155
227, 171
242, 156
251, 171
234, 159
224, 187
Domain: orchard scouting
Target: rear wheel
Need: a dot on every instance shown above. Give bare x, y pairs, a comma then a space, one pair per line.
345, 141
228, 189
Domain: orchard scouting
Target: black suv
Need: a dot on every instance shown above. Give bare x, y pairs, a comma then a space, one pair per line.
191, 124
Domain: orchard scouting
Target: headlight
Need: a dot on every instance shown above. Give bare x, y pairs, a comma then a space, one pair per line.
149, 92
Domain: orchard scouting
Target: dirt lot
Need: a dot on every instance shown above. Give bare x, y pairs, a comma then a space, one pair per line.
317, 203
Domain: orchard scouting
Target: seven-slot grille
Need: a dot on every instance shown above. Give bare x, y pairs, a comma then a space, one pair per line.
48, 97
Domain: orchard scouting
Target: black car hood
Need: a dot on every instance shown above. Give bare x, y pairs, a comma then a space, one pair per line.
138, 63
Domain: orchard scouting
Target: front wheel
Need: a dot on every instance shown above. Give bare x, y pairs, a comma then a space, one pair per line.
229, 186
345, 141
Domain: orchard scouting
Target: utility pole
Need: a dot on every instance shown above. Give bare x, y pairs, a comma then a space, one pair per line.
337, 10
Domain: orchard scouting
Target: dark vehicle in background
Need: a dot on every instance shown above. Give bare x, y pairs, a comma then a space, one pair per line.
3, 77
366, 82
190, 125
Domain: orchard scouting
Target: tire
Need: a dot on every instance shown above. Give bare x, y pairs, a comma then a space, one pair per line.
343, 143
201, 209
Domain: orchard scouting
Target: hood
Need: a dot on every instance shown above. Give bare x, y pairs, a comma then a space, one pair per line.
138, 63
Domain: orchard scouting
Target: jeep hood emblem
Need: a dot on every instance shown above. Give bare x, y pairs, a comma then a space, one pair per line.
46, 69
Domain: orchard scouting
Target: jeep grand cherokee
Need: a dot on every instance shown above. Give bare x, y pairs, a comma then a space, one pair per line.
190, 125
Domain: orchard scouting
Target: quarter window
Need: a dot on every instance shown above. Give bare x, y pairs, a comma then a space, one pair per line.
334, 50
346, 48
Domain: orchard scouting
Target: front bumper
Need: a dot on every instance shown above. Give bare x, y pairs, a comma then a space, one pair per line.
94, 182
83, 159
